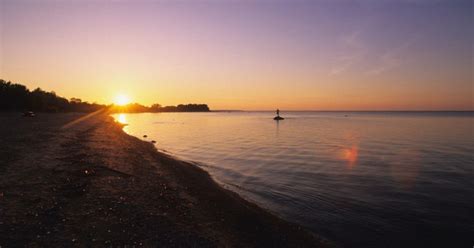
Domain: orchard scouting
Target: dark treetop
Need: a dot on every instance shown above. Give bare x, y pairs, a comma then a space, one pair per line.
17, 97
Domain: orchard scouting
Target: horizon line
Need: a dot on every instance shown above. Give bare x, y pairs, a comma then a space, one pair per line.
316, 110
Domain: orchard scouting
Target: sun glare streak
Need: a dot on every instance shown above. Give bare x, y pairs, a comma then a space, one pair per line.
83, 118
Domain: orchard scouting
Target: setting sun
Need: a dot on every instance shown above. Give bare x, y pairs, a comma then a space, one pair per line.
255, 123
121, 100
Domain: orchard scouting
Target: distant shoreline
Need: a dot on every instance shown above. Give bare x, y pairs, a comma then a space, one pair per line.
355, 111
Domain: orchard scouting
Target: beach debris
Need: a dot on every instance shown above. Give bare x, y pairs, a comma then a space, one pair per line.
153, 141
29, 114
145, 136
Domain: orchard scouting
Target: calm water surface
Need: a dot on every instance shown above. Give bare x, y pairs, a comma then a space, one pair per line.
359, 179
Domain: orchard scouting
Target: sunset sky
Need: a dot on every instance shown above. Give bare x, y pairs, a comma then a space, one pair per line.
250, 55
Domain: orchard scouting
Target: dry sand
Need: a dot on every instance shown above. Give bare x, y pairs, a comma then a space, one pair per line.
90, 184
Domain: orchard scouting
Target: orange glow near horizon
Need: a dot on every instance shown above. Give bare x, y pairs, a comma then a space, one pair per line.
121, 100
261, 57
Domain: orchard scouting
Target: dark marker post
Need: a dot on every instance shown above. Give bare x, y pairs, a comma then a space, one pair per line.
278, 117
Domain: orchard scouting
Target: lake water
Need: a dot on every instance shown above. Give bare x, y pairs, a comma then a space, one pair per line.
363, 179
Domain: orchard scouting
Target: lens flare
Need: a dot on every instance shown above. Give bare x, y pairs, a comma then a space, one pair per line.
350, 155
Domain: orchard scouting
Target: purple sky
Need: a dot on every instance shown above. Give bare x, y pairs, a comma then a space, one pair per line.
265, 54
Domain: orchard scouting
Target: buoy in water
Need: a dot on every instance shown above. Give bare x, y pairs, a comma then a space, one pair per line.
278, 117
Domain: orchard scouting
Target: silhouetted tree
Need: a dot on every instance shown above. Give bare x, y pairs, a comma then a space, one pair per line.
17, 97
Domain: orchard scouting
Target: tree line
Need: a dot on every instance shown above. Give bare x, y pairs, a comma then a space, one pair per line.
17, 97
138, 108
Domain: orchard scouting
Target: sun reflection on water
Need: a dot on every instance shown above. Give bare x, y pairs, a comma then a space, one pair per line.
369, 164
122, 119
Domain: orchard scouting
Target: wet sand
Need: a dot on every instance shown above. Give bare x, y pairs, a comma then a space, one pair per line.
66, 183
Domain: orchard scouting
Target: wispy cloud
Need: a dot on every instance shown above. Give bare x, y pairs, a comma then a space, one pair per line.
392, 58
353, 49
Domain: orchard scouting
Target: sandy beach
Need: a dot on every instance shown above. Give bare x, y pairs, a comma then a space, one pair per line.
87, 183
